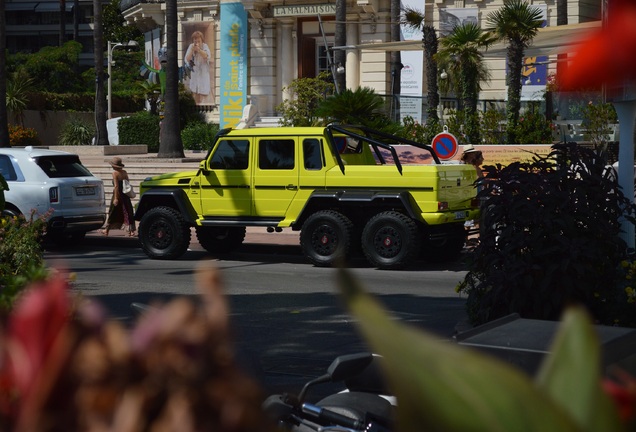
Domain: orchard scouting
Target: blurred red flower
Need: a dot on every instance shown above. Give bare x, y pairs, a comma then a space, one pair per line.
607, 56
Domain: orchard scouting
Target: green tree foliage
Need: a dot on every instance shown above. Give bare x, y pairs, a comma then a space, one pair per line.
199, 136
598, 120
140, 128
304, 96
21, 257
533, 128
115, 27
549, 237
493, 127
52, 69
361, 106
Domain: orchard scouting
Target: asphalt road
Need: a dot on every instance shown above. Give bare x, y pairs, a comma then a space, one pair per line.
287, 315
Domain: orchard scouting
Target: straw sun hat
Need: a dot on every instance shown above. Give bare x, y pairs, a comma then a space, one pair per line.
116, 162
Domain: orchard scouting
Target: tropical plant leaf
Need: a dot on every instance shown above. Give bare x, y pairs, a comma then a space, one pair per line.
445, 387
572, 374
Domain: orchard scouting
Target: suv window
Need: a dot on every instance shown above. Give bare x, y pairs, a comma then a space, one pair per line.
62, 166
231, 154
312, 154
276, 154
6, 168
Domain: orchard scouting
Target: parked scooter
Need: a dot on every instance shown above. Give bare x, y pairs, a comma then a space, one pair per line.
361, 406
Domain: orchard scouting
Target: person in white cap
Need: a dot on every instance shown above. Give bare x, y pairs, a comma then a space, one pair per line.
474, 157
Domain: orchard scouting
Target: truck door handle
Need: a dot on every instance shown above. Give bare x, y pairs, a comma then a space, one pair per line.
291, 187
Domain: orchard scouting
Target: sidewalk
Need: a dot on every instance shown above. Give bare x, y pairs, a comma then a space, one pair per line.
253, 235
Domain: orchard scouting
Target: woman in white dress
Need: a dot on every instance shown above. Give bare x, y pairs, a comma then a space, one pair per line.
197, 60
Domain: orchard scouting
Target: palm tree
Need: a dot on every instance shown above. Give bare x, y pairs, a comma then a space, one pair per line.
396, 60
517, 23
340, 39
462, 51
415, 19
170, 144
101, 136
4, 118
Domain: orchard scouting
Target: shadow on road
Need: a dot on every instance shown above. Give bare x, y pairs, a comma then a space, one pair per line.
286, 339
256, 251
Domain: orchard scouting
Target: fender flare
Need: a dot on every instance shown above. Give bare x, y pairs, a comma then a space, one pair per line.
320, 200
173, 197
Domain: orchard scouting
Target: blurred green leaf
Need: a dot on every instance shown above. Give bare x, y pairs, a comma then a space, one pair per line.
571, 374
445, 387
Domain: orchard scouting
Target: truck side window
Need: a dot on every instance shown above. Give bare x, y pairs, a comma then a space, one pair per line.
312, 154
231, 154
276, 154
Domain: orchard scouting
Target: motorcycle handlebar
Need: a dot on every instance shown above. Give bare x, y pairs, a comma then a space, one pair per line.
325, 416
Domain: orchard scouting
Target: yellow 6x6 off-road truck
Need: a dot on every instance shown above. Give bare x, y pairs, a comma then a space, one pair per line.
343, 187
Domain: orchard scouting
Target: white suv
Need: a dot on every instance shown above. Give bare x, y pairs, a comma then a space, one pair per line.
44, 180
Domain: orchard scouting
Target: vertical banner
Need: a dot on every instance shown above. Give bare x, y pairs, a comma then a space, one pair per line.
156, 44
233, 45
199, 64
413, 71
534, 74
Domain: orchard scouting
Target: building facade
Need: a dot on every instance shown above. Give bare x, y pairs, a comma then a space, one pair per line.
284, 40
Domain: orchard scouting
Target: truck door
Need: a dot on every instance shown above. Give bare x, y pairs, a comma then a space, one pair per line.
226, 189
275, 175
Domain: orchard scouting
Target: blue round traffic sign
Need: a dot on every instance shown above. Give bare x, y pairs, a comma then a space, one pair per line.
445, 145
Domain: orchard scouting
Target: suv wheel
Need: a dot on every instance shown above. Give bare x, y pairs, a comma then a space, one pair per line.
164, 234
220, 240
326, 237
390, 240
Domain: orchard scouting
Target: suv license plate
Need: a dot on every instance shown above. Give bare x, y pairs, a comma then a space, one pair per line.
460, 215
85, 191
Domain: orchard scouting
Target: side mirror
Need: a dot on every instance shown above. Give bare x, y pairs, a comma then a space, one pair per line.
203, 165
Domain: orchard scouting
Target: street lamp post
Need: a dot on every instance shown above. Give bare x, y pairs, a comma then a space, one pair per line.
440, 106
111, 48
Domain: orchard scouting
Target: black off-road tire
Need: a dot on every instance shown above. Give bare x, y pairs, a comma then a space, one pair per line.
325, 238
390, 240
164, 234
220, 240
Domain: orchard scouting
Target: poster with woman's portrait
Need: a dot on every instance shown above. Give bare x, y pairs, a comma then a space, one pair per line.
198, 60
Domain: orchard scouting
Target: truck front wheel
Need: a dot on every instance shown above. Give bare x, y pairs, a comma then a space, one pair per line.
220, 240
390, 240
164, 233
326, 237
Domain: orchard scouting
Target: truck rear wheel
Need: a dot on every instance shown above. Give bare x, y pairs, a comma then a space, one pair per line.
164, 234
390, 240
326, 237
220, 240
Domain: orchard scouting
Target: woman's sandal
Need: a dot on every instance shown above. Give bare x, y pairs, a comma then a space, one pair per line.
132, 234
103, 232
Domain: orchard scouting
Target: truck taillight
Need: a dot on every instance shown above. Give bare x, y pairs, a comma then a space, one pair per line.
54, 195
442, 206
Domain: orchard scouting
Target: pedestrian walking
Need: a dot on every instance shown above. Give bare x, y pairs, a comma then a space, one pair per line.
120, 212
